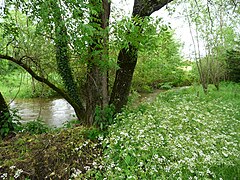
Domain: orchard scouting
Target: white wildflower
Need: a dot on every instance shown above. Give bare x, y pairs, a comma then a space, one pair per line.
100, 138
4, 176
12, 167
18, 173
87, 168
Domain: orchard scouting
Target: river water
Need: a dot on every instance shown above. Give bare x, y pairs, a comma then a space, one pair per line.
54, 112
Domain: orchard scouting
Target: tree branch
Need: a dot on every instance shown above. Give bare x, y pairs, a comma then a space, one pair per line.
147, 7
43, 80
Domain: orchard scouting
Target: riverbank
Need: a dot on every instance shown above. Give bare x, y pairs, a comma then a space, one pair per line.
21, 85
53, 155
180, 134
55, 112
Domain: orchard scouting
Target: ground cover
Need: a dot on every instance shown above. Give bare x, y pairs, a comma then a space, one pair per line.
61, 154
183, 134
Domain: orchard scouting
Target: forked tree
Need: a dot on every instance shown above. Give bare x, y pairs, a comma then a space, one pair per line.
96, 88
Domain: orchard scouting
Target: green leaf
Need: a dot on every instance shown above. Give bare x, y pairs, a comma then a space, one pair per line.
127, 159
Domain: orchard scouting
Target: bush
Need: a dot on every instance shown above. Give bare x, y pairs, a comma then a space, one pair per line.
233, 62
104, 118
35, 127
10, 124
160, 65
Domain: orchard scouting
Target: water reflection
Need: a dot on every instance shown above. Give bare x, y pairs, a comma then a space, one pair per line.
53, 111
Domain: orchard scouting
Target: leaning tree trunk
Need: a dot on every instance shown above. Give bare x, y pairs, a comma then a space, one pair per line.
127, 61
4, 115
127, 58
97, 81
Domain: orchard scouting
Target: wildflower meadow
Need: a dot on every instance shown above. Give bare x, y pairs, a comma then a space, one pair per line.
181, 135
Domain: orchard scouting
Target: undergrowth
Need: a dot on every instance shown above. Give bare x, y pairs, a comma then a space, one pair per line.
62, 154
182, 135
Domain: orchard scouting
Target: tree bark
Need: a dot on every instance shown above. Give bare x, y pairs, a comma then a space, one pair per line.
97, 80
3, 107
127, 58
4, 114
105, 16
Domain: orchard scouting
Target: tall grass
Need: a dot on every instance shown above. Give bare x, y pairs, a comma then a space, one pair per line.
184, 134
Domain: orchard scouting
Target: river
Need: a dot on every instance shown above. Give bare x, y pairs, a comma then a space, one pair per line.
54, 112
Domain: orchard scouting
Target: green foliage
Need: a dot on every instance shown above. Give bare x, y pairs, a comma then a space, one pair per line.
233, 65
104, 117
140, 32
70, 124
133, 98
4, 67
35, 127
10, 124
21, 85
93, 133
161, 64
166, 86
183, 134
229, 92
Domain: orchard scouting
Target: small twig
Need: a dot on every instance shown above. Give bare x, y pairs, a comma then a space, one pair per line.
17, 91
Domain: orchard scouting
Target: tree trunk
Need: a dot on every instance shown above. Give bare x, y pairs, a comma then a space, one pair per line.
3, 107
203, 74
127, 58
105, 15
97, 80
4, 115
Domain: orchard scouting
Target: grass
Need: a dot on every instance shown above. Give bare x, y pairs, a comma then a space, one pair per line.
182, 135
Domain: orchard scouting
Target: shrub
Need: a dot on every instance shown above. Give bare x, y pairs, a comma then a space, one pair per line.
104, 117
233, 62
161, 64
11, 122
35, 127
